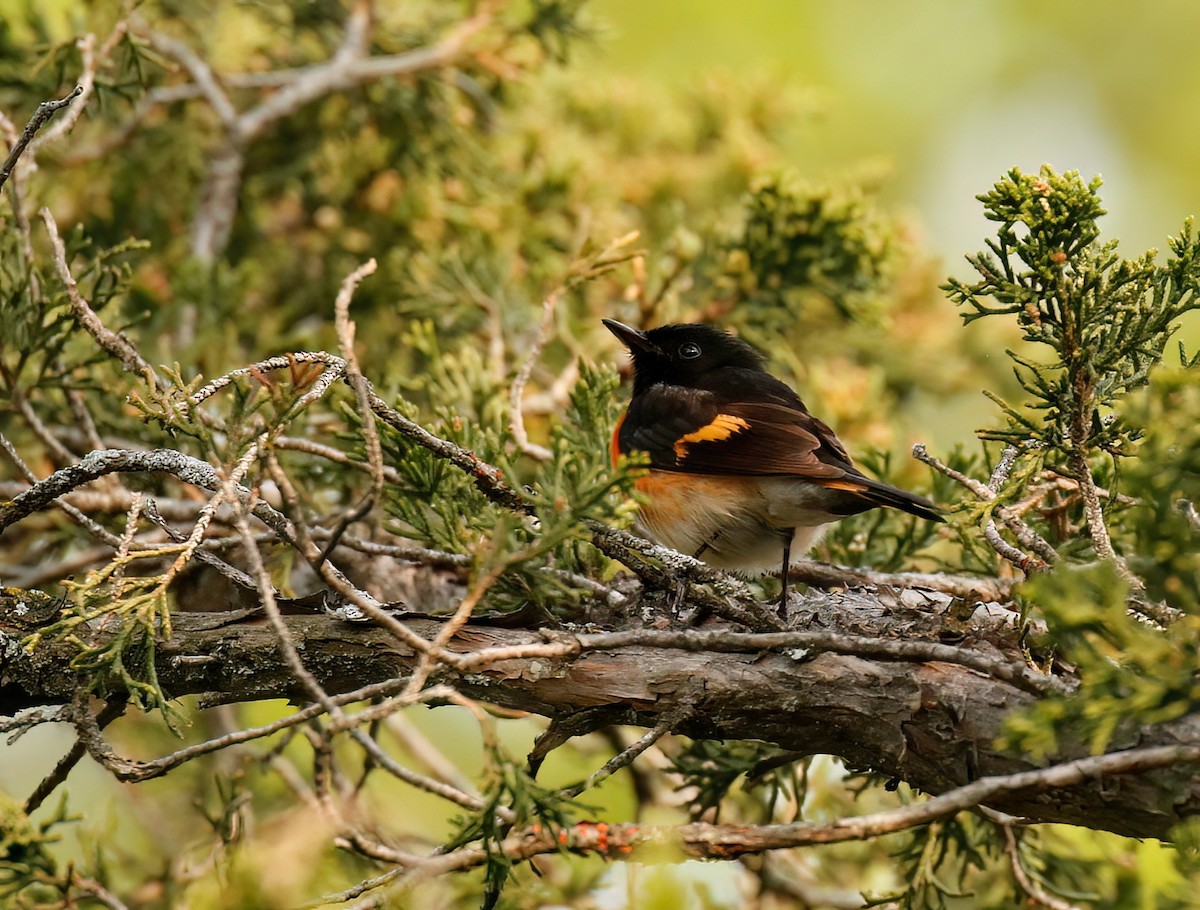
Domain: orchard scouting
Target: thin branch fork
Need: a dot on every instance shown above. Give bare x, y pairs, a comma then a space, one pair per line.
200, 474
348, 67
1026, 535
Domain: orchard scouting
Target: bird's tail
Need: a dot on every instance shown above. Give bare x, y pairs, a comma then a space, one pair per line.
867, 493
884, 494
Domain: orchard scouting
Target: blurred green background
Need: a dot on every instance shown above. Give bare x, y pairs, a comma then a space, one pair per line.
941, 98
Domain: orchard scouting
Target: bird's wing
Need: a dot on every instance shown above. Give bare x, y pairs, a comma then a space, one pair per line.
754, 439
694, 431
698, 433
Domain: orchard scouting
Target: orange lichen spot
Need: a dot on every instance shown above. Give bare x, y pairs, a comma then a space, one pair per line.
722, 427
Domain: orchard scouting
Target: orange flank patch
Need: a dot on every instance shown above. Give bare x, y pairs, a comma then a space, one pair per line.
722, 427
669, 491
615, 446
681, 510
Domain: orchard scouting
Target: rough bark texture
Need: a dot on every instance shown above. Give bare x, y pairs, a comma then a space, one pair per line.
932, 724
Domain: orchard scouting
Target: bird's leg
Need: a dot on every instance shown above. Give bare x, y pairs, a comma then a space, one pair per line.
783, 571
682, 588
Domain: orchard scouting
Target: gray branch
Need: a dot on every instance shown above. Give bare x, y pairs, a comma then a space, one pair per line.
912, 709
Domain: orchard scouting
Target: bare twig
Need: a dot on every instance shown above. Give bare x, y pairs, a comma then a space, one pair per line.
345, 333
96, 890
202, 75
91, 59
329, 453
44, 112
1032, 890
302, 540
426, 752
110, 712
21, 723
356, 891
76, 515
980, 489
421, 781
112, 342
440, 559
233, 574
1026, 562
87, 425
626, 757
517, 389
61, 454
131, 771
620, 841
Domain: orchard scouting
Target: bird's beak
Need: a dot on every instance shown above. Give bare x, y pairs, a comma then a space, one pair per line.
630, 337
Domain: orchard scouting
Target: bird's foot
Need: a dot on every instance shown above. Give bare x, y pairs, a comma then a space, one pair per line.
683, 615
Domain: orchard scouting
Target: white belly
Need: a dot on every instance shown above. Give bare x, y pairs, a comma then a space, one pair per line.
736, 524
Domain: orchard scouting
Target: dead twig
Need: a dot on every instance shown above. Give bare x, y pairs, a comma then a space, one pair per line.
44, 112
358, 382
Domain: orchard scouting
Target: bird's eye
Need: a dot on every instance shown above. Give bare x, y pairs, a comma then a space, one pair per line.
689, 350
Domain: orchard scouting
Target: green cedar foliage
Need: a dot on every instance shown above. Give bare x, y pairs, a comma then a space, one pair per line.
1101, 409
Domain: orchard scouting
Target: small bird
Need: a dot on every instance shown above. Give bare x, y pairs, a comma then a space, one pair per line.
741, 474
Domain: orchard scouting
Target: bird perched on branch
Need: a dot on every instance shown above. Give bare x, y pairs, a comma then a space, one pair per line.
741, 474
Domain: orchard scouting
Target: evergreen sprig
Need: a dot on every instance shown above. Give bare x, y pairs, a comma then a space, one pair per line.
1102, 321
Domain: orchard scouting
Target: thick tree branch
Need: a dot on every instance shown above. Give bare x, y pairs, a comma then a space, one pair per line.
909, 714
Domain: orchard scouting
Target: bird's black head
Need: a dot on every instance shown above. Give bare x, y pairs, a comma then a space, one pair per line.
682, 354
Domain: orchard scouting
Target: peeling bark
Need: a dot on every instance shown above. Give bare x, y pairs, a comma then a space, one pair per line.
933, 724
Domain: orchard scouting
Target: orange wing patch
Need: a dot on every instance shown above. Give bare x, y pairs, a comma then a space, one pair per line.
722, 427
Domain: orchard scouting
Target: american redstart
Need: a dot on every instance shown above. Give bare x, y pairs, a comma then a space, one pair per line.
741, 474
